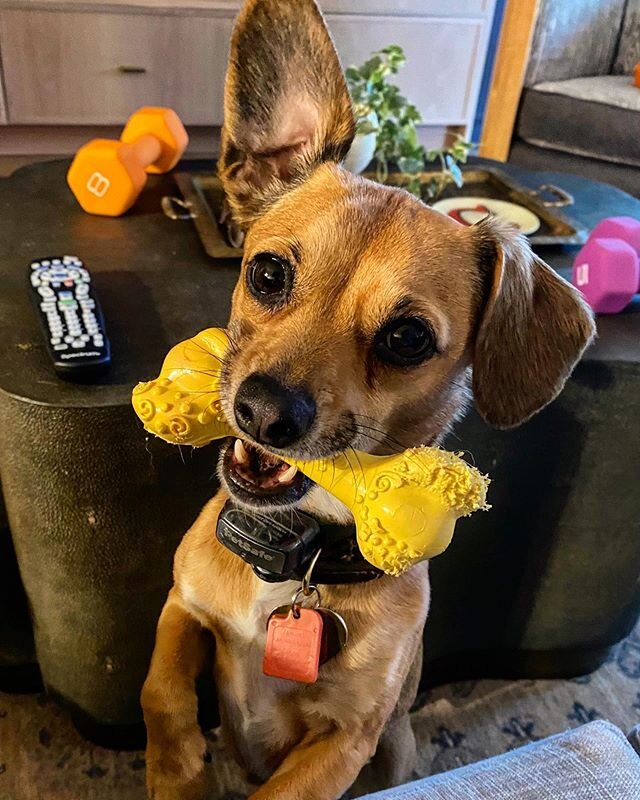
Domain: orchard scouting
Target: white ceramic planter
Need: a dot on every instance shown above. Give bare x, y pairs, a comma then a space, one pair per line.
362, 149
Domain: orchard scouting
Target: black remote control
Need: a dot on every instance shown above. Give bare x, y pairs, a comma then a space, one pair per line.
71, 317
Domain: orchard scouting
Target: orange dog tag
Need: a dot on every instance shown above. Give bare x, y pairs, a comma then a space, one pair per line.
293, 646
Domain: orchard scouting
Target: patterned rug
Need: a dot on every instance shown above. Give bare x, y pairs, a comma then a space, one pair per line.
42, 757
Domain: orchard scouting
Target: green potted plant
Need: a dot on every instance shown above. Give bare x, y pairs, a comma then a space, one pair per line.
387, 133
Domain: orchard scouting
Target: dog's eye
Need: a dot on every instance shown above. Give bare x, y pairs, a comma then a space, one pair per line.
405, 342
269, 278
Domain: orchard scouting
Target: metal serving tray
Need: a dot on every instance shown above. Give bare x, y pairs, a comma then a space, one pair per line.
203, 200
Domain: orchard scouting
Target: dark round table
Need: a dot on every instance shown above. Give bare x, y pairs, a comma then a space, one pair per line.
96, 509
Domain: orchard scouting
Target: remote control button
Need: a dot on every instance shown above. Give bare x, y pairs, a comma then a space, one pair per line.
35, 265
46, 263
77, 344
35, 279
60, 346
98, 340
82, 290
56, 261
84, 275
68, 339
46, 291
56, 340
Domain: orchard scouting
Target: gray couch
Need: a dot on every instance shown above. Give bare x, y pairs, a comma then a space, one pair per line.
594, 762
580, 111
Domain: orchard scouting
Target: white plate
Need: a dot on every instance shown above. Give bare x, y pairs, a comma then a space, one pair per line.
469, 210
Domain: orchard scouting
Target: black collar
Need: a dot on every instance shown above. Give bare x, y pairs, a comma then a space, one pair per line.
279, 547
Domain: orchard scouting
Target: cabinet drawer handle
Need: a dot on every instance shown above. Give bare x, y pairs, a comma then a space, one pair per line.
130, 70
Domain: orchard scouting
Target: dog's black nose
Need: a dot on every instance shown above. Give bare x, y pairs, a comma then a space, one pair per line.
271, 413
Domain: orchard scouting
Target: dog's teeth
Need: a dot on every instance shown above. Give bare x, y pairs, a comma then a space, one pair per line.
288, 476
240, 452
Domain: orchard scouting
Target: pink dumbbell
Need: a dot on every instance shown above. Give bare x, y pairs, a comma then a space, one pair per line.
607, 269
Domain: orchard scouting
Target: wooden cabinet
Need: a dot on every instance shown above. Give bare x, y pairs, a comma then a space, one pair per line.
92, 62
81, 68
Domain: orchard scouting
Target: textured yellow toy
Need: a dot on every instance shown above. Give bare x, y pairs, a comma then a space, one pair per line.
405, 506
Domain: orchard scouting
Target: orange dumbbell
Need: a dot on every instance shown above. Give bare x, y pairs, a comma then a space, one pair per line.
107, 176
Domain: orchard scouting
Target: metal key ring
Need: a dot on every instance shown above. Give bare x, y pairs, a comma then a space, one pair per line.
296, 603
307, 586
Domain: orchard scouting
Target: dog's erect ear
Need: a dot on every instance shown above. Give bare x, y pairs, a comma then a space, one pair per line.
534, 329
287, 106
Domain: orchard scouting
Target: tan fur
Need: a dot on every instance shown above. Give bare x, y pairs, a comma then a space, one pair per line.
301, 115
360, 250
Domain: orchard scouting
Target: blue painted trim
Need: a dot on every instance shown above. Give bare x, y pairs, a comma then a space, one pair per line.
492, 50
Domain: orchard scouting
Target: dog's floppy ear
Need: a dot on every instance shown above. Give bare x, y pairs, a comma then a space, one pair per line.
287, 106
534, 328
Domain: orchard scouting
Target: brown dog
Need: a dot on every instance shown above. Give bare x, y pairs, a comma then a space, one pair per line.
361, 319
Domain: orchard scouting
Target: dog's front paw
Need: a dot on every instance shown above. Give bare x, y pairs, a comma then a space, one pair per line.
161, 786
178, 774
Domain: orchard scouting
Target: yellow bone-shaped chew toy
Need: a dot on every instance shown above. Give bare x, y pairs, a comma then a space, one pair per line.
183, 405
405, 506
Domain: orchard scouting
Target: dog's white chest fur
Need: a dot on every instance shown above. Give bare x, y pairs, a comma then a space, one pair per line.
250, 699
252, 625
